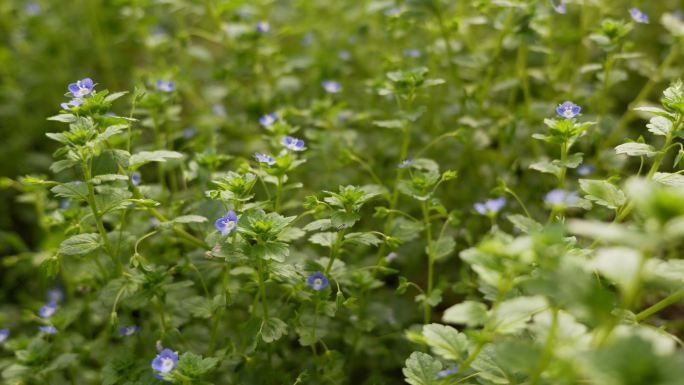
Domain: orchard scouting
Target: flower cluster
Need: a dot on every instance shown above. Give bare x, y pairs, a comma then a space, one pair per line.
78, 90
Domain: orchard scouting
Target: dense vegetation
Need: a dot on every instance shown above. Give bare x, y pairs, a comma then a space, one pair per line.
342, 192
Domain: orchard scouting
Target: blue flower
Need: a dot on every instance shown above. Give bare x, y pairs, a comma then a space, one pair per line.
64, 203
391, 256
585, 169
154, 222
126, 331
568, 110
560, 197
32, 8
263, 27
490, 207
265, 158
293, 144
227, 223
447, 372
638, 16
49, 329
218, 109
412, 52
81, 88
560, 8
164, 362
317, 281
189, 132
165, 85
331, 86
268, 119
48, 310
135, 178
344, 55
405, 163
72, 103
4, 333
55, 295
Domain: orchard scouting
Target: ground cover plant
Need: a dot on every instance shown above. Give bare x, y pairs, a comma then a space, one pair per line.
427, 192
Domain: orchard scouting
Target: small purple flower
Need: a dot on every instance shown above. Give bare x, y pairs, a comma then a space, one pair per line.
263, 27
32, 8
49, 329
81, 88
165, 85
218, 109
126, 331
638, 16
48, 310
227, 223
331, 86
4, 333
560, 8
265, 158
64, 204
560, 197
189, 132
490, 207
568, 110
394, 11
135, 178
447, 372
293, 144
405, 163
585, 169
72, 103
344, 55
412, 52
268, 119
55, 295
391, 256
317, 281
164, 362
154, 222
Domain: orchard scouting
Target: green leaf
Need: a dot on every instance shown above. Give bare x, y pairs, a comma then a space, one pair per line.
271, 250
80, 244
190, 219
64, 118
113, 96
669, 179
603, 193
272, 329
442, 248
512, 315
635, 149
445, 341
191, 365
469, 313
72, 190
144, 157
659, 125
525, 224
546, 167
367, 239
619, 264
326, 239
421, 369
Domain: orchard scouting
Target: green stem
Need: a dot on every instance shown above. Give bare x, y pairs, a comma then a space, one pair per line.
564, 158
335, 251
547, 354
428, 234
98, 219
278, 195
262, 289
660, 305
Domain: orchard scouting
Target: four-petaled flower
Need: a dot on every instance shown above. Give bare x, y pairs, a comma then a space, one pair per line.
560, 8
405, 163
265, 158
48, 310
165, 85
4, 333
135, 178
72, 103
331, 86
49, 329
447, 372
491, 206
560, 197
317, 281
164, 362
585, 169
293, 144
81, 88
263, 27
227, 223
568, 110
638, 16
268, 119
126, 331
